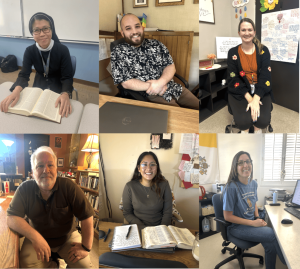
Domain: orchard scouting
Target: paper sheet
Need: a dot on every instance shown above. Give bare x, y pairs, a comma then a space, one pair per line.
167, 136
187, 176
181, 165
181, 175
195, 178
2, 200
282, 37
187, 166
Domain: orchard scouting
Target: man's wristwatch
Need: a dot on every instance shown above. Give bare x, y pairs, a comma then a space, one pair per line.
256, 218
85, 248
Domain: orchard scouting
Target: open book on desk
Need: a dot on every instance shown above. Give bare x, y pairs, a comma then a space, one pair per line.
159, 238
167, 236
37, 102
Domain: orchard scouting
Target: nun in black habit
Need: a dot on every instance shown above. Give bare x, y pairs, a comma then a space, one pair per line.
52, 63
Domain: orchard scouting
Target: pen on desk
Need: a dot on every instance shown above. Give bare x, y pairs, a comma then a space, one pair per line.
106, 235
128, 232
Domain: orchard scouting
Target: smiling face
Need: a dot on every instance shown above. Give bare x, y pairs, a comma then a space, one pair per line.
43, 39
45, 171
132, 30
246, 32
148, 169
244, 171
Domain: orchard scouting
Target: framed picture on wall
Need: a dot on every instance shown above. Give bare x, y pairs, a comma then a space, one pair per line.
60, 162
140, 3
160, 3
196, 1
57, 142
206, 11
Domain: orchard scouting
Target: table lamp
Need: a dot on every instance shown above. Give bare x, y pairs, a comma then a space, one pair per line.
91, 145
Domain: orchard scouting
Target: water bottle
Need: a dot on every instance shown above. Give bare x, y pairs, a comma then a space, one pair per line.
205, 225
275, 197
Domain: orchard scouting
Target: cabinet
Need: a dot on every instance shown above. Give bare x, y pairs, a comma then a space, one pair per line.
214, 95
201, 204
88, 181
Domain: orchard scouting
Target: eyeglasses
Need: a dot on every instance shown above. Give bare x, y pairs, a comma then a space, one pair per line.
241, 163
152, 165
45, 30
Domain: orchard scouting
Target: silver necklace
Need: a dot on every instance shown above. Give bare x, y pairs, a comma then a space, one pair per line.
146, 191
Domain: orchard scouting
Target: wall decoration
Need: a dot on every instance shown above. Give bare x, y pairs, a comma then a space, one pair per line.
267, 4
161, 141
239, 3
281, 36
57, 142
140, 3
206, 11
60, 162
159, 3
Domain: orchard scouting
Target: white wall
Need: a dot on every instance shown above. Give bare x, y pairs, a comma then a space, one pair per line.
226, 25
108, 11
120, 153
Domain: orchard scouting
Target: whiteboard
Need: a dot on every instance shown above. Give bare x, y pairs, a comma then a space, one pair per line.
10, 18
224, 44
206, 11
73, 19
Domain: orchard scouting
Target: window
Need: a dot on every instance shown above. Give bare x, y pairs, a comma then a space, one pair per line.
281, 158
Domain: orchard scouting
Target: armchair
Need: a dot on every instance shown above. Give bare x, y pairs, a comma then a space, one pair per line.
240, 245
138, 95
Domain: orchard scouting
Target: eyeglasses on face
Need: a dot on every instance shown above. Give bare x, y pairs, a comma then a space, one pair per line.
45, 30
152, 165
241, 163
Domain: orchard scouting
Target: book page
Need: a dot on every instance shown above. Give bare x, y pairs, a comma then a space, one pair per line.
46, 106
183, 236
28, 98
158, 235
120, 241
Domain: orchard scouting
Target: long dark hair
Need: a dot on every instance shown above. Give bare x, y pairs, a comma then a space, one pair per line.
43, 16
233, 175
255, 39
158, 177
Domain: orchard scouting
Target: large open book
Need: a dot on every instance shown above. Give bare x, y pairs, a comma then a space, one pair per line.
39, 103
167, 236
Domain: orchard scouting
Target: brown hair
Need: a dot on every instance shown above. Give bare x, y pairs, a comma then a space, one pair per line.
255, 39
233, 175
158, 177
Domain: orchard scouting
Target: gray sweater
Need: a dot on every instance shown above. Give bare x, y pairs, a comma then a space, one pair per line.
152, 211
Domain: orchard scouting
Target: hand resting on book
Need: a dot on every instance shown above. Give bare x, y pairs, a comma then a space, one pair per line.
65, 106
13, 98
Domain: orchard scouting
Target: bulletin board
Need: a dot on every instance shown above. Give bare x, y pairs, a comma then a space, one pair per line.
285, 76
281, 36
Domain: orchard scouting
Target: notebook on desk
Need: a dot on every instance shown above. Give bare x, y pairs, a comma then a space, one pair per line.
124, 118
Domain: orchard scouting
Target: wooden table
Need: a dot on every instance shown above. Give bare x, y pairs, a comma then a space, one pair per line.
9, 240
288, 235
180, 255
180, 120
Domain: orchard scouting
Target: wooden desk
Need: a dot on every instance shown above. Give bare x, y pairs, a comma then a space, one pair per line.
288, 235
9, 240
180, 255
180, 120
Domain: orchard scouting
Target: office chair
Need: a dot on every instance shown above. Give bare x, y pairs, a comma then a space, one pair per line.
138, 95
229, 127
175, 213
73, 60
240, 245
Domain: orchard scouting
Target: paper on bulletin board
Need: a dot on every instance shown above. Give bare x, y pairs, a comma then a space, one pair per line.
189, 144
282, 37
224, 44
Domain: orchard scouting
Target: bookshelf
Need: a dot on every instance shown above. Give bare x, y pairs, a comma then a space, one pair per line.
88, 181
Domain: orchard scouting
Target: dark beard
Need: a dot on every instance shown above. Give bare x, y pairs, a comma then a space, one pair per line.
136, 44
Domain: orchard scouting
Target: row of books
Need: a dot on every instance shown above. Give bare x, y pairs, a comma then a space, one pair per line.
93, 199
90, 182
96, 224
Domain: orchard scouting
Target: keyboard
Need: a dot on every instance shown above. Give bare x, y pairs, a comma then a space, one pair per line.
293, 211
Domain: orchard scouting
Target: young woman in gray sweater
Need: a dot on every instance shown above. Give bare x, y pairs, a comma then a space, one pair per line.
147, 198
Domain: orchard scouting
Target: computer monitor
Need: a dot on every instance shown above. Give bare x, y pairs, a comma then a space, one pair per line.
296, 195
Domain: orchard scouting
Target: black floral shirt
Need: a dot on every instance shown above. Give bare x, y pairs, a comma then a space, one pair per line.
145, 62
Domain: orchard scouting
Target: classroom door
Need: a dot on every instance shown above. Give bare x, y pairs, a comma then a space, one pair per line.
31, 143
285, 76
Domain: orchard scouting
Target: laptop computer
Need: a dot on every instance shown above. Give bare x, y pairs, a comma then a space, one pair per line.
124, 118
295, 202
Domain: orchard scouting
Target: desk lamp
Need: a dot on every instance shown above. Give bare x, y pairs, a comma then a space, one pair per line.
91, 145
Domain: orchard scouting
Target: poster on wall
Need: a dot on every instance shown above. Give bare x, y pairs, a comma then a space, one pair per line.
224, 44
280, 33
206, 11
